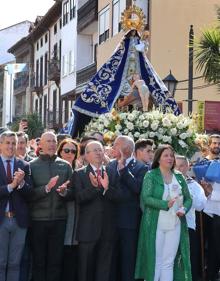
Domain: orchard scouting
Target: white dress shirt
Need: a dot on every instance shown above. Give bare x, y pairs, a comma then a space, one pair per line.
198, 202
213, 202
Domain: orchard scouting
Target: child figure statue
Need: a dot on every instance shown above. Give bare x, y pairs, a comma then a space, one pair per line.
142, 90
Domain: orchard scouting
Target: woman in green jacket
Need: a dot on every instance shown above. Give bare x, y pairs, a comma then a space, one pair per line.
163, 247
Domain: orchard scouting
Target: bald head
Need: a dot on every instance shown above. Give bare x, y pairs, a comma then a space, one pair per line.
124, 144
94, 153
48, 143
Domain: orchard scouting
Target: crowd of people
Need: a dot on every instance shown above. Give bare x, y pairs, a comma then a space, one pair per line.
83, 210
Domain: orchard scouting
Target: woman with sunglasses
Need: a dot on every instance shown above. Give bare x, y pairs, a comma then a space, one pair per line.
68, 150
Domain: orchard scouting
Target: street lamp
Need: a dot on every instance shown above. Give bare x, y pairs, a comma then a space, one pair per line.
171, 83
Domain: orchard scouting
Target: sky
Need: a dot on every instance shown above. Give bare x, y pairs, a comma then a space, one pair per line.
16, 11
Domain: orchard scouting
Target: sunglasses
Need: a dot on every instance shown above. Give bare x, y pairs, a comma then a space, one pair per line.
67, 150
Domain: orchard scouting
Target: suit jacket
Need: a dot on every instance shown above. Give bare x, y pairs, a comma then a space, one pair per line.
128, 183
18, 196
97, 211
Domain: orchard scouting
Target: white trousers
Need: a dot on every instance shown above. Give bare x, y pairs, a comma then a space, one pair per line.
167, 243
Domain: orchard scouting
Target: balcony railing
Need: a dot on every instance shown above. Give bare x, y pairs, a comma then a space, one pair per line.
54, 70
87, 14
21, 83
85, 74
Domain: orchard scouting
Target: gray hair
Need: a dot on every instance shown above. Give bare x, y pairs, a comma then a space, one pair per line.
8, 134
182, 157
128, 142
48, 133
93, 142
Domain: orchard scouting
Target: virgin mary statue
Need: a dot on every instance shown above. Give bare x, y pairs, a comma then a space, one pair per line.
113, 80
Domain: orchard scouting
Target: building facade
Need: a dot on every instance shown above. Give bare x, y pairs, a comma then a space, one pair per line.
169, 24
8, 36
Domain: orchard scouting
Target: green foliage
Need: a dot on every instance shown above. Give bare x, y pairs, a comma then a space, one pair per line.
208, 54
35, 127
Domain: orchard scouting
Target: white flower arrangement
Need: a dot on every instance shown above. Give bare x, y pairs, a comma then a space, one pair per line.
179, 131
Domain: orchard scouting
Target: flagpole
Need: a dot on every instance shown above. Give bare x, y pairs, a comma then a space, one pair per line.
11, 92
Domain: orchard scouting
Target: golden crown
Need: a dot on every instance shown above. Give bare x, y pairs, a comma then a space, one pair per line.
133, 18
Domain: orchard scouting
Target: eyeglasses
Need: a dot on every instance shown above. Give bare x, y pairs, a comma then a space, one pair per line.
95, 150
67, 150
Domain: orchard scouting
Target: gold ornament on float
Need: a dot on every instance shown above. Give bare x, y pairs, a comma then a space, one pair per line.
133, 18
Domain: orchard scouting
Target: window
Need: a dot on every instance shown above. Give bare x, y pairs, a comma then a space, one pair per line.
60, 46
95, 52
66, 111
37, 74
37, 46
71, 61
46, 38
41, 71
55, 51
118, 7
65, 65
104, 25
54, 106
55, 29
45, 110
60, 21
41, 42
65, 12
36, 105
72, 9
41, 108
45, 68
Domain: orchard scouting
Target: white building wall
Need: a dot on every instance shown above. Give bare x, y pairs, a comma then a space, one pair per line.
69, 55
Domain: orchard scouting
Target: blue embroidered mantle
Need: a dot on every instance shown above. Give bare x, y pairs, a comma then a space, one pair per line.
111, 81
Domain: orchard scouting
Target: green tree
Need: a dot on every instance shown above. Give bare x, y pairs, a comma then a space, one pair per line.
207, 52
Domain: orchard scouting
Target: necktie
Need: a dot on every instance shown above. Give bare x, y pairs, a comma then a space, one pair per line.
99, 174
9, 178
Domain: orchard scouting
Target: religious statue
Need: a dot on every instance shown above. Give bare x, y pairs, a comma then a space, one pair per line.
140, 90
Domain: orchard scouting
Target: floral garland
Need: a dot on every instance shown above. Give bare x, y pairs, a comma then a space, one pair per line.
179, 131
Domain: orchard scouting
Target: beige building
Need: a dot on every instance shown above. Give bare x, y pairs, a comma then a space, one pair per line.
169, 23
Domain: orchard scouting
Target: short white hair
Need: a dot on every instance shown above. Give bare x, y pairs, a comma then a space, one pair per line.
127, 142
93, 142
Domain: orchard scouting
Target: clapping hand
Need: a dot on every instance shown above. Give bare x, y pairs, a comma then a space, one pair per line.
171, 203
52, 182
93, 179
121, 161
62, 188
19, 176
104, 181
181, 212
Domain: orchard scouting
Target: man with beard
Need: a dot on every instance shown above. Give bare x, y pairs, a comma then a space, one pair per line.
211, 218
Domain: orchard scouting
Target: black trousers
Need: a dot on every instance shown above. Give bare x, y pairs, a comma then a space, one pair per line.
70, 263
128, 239
94, 260
47, 240
194, 251
212, 234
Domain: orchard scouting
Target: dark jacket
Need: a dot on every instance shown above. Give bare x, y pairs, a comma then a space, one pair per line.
128, 183
43, 205
97, 211
18, 196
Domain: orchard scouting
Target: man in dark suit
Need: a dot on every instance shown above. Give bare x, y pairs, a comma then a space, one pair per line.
96, 230
127, 175
15, 185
